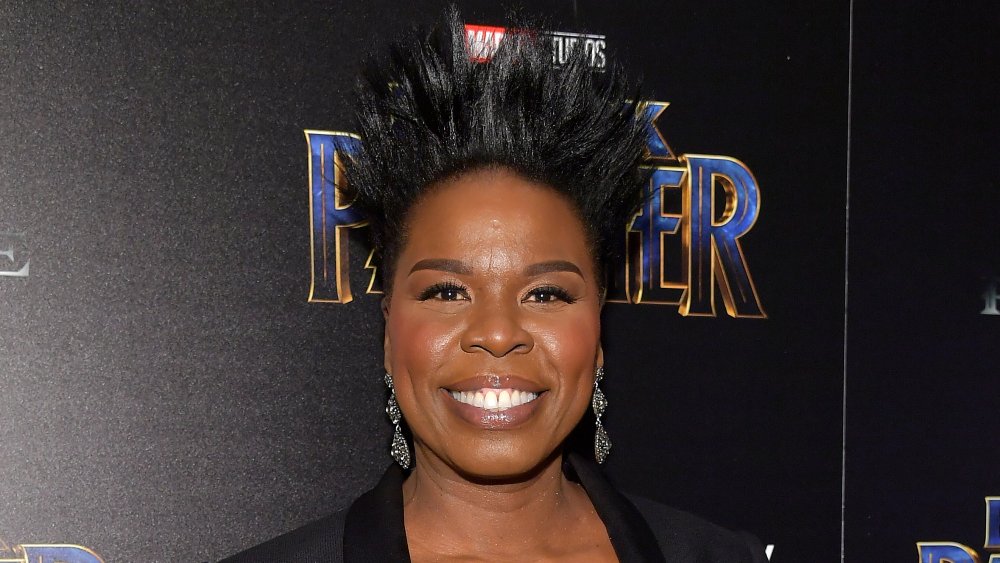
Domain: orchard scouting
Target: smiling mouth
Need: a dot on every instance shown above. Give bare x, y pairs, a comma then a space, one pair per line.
494, 400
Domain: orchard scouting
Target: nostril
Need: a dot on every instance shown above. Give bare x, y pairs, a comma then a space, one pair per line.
498, 333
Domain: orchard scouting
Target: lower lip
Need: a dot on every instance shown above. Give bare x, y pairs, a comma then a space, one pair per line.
493, 420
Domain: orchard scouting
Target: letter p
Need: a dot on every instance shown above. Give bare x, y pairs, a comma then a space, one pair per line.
945, 552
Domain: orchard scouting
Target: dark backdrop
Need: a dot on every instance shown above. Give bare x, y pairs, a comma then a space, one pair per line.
924, 249
169, 395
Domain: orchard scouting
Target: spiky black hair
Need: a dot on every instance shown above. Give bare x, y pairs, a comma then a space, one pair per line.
429, 113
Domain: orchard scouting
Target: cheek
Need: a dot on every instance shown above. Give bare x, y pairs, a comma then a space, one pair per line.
571, 343
419, 343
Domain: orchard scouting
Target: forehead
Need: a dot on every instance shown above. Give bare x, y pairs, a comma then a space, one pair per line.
494, 220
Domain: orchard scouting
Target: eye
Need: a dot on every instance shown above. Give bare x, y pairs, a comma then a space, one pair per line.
549, 294
447, 291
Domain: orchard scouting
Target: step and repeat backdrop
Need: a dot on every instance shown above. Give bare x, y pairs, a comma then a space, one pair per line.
923, 370
190, 334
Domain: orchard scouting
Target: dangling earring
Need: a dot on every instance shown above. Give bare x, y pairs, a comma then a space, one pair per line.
602, 443
399, 450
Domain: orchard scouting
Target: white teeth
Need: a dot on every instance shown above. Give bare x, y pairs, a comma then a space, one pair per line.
491, 399
494, 399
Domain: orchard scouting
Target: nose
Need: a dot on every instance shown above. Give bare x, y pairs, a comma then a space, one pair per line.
497, 330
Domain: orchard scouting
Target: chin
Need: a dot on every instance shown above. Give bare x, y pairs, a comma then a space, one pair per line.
503, 462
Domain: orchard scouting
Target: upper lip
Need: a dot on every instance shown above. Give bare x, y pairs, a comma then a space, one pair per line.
496, 381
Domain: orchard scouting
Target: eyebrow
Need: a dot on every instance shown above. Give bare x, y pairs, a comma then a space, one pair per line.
552, 266
461, 268
443, 265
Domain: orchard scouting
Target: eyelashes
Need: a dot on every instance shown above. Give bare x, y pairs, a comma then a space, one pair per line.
550, 293
451, 291
447, 291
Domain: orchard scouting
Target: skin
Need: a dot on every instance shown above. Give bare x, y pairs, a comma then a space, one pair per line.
477, 493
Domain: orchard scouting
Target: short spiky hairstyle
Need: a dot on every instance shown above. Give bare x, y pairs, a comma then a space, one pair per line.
428, 113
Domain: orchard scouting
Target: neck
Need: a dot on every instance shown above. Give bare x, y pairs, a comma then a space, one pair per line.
450, 513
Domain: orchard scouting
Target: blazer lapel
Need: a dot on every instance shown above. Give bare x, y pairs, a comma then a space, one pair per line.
373, 527
630, 535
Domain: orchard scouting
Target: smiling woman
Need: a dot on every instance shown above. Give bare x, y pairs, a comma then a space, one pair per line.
495, 295
494, 192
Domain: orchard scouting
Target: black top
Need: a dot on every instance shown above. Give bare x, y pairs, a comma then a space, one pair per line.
641, 530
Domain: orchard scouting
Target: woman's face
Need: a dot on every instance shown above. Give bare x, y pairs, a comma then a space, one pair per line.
493, 325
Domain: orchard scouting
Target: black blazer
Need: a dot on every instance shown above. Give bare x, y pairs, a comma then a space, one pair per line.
641, 530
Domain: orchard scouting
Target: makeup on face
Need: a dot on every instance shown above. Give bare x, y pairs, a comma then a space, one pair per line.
493, 330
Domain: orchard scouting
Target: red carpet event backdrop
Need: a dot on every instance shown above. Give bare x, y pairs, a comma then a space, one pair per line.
800, 338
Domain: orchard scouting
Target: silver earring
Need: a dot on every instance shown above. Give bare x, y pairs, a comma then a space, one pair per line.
399, 450
602, 443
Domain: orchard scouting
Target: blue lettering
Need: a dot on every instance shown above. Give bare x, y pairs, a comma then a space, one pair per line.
992, 524
715, 250
656, 146
331, 216
648, 281
945, 552
678, 246
59, 554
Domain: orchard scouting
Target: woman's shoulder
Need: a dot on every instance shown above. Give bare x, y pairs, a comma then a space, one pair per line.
685, 537
320, 540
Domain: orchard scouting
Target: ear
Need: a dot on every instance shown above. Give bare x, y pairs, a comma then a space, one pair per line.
386, 342
600, 355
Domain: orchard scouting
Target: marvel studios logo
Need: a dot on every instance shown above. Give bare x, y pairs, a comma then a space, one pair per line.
482, 41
